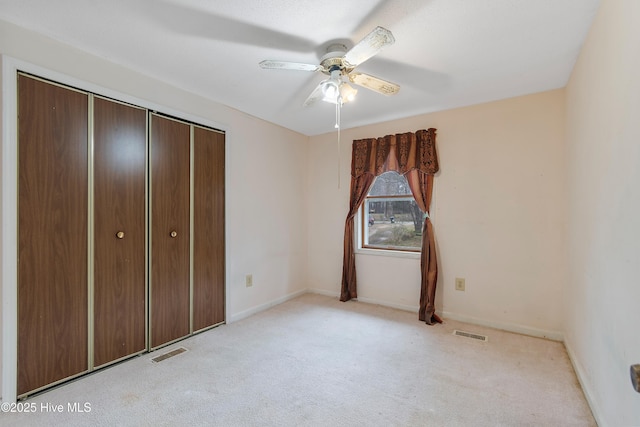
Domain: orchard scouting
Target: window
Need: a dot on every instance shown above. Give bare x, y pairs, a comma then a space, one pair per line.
390, 218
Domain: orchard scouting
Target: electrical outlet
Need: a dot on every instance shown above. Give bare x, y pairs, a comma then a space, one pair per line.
459, 284
248, 280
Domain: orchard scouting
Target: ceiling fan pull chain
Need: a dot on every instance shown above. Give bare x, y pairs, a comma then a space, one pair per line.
338, 107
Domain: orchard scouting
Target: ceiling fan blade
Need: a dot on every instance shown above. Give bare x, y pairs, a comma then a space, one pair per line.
374, 83
369, 46
284, 65
315, 95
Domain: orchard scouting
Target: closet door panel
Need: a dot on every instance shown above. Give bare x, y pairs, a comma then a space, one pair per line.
208, 218
119, 230
170, 191
52, 236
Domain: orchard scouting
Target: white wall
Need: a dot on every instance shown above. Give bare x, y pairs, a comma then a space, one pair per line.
498, 213
266, 220
603, 153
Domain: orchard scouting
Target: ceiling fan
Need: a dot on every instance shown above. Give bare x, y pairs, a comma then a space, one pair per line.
338, 63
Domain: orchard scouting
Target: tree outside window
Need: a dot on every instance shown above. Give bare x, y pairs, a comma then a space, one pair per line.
391, 219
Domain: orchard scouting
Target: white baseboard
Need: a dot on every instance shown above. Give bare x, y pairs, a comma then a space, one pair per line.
579, 370
324, 292
413, 309
509, 327
257, 309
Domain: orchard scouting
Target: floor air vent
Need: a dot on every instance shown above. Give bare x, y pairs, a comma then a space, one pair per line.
169, 354
471, 335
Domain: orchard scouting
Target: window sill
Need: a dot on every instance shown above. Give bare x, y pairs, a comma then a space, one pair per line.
388, 253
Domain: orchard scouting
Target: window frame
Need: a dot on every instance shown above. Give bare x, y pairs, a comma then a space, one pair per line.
361, 234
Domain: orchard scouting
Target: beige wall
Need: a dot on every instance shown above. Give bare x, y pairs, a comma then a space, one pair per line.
603, 153
266, 170
498, 213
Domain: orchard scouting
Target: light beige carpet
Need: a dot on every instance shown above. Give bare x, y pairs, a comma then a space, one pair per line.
314, 361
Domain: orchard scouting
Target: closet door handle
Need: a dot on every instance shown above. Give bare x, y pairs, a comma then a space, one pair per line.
120, 234
174, 233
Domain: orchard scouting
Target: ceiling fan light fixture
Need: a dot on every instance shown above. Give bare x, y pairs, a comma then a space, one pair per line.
331, 91
347, 92
331, 87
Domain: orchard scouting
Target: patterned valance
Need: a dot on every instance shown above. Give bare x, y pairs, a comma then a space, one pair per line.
401, 153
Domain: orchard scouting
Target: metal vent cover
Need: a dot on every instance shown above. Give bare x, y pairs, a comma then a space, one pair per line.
471, 335
169, 354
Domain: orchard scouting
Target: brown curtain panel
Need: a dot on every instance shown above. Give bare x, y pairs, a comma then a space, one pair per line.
410, 154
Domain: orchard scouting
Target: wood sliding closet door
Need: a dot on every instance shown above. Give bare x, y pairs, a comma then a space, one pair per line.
119, 230
208, 218
52, 234
121, 245
170, 195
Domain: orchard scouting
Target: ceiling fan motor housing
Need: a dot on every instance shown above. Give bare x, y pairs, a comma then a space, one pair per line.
333, 59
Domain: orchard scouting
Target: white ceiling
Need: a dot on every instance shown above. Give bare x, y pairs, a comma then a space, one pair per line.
448, 53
